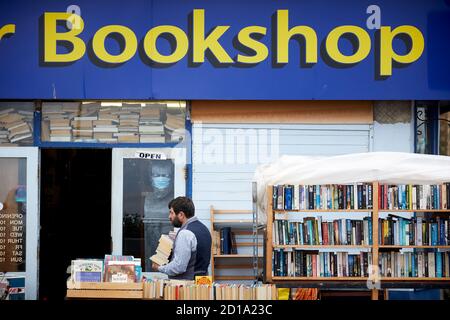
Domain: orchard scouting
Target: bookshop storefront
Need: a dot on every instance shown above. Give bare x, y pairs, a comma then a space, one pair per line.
106, 114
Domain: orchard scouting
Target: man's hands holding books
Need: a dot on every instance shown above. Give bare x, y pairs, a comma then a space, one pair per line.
155, 266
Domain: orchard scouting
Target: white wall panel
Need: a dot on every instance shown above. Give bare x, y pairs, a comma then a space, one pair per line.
226, 155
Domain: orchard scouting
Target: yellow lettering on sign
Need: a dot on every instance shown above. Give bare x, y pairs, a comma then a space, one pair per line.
51, 37
387, 53
7, 29
249, 38
181, 48
211, 42
361, 53
98, 44
261, 51
284, 34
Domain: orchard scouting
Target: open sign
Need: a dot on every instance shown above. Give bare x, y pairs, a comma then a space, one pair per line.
150, 155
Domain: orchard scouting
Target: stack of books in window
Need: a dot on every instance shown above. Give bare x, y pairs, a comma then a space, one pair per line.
60, 130
151, 129
174, 126
124, 123
128, 121
82, 129
16, 127
57, 126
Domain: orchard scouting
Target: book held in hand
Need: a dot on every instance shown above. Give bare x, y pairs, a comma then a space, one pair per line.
161, 257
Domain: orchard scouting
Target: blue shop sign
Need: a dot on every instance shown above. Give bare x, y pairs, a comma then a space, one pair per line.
266, 49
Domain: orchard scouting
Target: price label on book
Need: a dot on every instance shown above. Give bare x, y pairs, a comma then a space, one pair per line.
150, 155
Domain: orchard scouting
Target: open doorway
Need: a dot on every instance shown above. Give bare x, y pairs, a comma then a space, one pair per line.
75, 213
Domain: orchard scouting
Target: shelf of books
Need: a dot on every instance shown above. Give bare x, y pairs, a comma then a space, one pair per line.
16, 125
369, 232
113, 122
120, 277
189, 290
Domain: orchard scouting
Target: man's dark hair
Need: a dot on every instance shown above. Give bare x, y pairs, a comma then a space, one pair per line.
184, 204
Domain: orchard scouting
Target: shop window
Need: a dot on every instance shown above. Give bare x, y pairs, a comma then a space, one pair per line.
426, 125
148, 187
392, 111
16, 123
113, 122
433, 127
444, 128
12, 214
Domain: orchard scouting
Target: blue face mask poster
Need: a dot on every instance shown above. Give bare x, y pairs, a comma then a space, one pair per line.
264, 50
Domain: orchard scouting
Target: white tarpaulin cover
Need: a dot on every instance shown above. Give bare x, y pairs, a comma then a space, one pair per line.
384, 167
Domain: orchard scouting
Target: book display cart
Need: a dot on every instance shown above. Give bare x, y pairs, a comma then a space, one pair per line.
104, 290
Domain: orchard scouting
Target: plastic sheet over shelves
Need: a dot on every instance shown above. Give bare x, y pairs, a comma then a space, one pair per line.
383, 167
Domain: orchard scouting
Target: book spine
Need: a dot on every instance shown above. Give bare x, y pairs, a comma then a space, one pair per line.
288, 197
274, 197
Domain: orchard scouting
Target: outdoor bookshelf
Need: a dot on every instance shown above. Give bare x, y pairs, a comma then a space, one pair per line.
379, 251
237, 254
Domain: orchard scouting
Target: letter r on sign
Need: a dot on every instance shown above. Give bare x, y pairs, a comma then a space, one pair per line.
7, 29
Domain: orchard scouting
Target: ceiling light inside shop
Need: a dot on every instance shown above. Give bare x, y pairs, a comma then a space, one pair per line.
111, 104
176, 104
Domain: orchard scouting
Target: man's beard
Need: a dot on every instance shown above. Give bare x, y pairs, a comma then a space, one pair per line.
176, 223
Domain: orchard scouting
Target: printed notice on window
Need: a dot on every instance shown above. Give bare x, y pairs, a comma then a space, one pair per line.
12, 241
13, 199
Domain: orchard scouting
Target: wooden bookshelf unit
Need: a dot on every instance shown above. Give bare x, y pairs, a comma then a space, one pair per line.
240, 260
435, 254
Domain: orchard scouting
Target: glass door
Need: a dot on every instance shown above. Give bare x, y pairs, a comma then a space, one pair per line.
19, 220
144, 181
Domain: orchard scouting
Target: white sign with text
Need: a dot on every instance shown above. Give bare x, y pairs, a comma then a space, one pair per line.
150, 155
